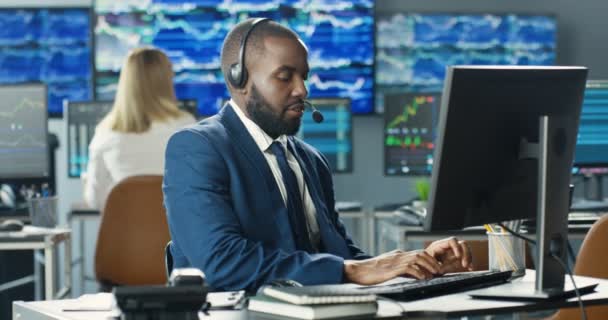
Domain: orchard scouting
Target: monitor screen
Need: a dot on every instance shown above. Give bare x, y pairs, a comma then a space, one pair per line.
82, 118
339, 36
592, 143
23, 122
333, 136
413, 49
52, 46
410, 122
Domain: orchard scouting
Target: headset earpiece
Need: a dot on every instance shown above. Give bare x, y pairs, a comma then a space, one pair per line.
238, 72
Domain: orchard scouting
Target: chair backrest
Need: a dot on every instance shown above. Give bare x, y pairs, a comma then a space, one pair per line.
133, 234
591, 261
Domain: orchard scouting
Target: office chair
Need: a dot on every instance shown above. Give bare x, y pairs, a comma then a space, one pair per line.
592, 261
132, 235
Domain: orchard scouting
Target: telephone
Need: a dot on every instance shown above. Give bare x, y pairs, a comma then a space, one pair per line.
182, 298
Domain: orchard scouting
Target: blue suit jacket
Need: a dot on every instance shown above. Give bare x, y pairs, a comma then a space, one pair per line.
227, 217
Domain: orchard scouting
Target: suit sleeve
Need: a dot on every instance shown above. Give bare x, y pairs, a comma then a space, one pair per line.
328, 192
207, 231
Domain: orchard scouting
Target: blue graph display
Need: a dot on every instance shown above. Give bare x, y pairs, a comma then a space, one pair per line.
414, 49
48, 45
339, 35
592, 141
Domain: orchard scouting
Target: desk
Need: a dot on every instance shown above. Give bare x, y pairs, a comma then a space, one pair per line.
454, 305
80, 212
47, 239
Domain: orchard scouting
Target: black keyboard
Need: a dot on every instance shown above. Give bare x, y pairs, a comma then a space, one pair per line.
451, 283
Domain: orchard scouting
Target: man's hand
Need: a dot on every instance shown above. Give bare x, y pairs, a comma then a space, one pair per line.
418, 264
453, 255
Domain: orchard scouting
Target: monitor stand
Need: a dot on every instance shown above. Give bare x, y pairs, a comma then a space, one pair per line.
551, 215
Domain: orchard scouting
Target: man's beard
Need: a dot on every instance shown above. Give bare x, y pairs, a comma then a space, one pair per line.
273, 123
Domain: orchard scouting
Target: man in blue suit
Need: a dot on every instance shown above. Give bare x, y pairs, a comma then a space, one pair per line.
248, 203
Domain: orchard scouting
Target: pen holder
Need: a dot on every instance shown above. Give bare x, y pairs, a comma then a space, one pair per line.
506, 252
43, 211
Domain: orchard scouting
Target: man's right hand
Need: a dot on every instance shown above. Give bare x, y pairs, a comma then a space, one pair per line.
418, 264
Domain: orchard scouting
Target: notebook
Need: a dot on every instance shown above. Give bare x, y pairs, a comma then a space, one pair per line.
265, 304
319, 294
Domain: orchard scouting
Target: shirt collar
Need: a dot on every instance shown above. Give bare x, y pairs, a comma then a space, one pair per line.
261, 138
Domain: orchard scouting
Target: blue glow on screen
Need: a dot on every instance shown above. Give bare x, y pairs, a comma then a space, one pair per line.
413, 49
48, 45
339, 35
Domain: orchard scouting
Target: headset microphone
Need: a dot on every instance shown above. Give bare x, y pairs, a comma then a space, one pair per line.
317, 116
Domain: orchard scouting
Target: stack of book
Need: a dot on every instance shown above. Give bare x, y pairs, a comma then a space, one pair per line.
314, 302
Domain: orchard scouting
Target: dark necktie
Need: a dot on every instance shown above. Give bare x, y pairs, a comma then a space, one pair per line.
295, 209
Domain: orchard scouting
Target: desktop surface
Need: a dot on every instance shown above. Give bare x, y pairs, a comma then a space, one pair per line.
452, 305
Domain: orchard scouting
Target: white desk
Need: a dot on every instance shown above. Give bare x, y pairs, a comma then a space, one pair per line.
46, 239
454, 305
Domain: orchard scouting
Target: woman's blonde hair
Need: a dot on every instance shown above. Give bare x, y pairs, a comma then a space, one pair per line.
144, 94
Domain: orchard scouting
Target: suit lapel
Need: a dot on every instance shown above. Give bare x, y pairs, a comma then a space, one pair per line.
241, 138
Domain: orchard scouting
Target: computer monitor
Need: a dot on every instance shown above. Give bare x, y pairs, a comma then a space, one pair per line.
505, 146
82, 118
23, 122
410, 122
591, 153
333, 136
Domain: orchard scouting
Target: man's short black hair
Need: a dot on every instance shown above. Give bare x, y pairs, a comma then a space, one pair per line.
255, 43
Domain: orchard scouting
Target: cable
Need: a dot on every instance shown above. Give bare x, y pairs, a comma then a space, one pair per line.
561, 263
578, 294
516, 234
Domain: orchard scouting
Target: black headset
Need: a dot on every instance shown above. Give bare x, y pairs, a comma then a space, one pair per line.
238, 73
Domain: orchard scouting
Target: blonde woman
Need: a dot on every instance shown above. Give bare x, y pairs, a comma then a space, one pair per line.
131, 139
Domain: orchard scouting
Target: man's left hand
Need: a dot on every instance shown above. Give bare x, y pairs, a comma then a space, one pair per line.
453, 254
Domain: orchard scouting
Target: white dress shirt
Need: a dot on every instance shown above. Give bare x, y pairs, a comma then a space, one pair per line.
114, 156
263, 140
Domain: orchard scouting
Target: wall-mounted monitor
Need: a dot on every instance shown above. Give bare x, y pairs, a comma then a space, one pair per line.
339, 35
50, 45
413, 49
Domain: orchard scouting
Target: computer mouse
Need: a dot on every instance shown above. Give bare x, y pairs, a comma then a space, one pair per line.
11, 225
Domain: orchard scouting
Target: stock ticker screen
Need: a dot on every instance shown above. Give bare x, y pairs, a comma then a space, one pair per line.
339, 36
413, 49
410, 122
591, 153
23, 123
333, 136
52, 46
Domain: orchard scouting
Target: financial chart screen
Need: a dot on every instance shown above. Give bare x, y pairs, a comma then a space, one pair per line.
82, 118
333, 136
592, 141
410, 122
23, 123
52, 46
413, 49
339, 36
